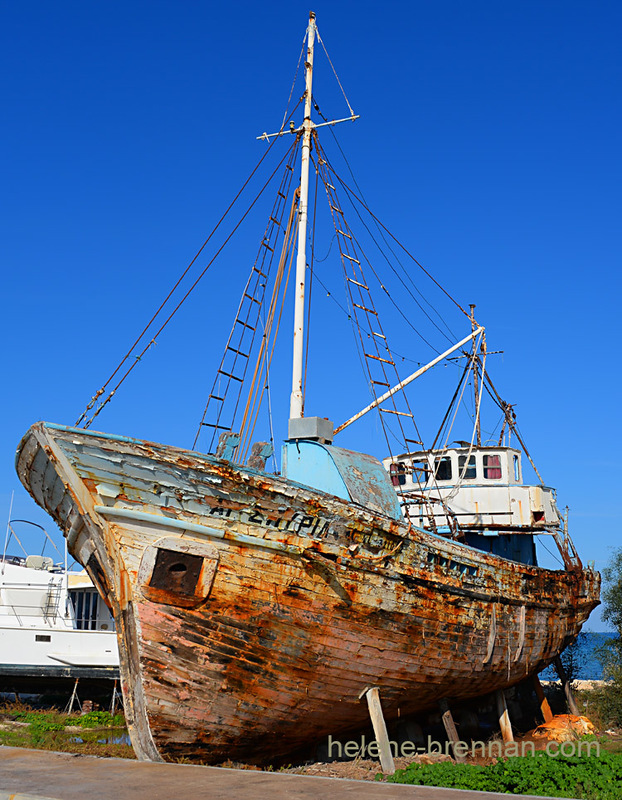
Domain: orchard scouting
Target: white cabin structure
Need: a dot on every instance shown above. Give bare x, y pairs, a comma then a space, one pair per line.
52, 619
479, 491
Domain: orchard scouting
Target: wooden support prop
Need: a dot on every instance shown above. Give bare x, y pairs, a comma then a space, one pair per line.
504, 717
545, 708
115, 698
572, 706
450, 729
380, 729
73, 699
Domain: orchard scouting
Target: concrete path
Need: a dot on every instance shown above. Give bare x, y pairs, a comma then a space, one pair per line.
43, 775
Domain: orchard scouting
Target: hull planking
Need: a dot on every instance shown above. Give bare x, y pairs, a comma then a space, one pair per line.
252, 611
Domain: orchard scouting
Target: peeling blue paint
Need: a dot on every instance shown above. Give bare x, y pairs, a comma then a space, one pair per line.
343, 473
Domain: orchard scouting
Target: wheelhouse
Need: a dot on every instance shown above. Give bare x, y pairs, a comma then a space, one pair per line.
475, 493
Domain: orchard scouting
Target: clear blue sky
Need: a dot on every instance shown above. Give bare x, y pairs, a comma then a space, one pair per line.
489, 142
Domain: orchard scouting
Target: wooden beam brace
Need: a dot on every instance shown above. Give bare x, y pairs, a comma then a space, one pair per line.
450, 729
545, 708
504, 717
380, 729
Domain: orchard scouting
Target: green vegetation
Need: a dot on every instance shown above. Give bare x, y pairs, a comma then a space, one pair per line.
585, 777
602, 705
100, 719
574, 657
608, 700
38, 729
38, 717
95, 733
57, 721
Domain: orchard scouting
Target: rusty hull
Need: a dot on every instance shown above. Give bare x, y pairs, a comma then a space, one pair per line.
252, 611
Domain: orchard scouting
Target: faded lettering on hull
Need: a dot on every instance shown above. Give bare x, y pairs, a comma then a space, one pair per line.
293, 521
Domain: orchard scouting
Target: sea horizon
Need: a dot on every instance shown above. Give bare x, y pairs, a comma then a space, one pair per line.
588, 666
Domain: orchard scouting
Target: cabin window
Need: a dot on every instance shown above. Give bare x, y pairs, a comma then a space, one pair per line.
442, 469
492, 467
517, 469
420, 470
470, 472
398, 474
85, 608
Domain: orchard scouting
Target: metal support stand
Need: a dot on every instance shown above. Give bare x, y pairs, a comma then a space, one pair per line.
380, 729
572, 706
115, 698
74, 699
504, 717
545, 708
450, 729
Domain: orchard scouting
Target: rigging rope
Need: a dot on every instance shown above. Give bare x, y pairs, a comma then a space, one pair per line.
438, 436
249, 410
310, 289
345, 312
398, 309
334, 71
350, 249
291, 91
267, 362
372, 334
452, 336
470, 368
181, 302
461, 476
514, 427
254, 298
101, 391
397, 241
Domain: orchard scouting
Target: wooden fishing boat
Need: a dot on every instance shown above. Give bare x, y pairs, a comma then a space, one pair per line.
253, 608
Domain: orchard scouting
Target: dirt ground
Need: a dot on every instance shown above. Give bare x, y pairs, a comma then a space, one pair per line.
358, 769
564, 728
106, 743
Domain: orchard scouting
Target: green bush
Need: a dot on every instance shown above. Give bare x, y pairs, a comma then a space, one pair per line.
38, 729
608, 700
101, 719
603, 706
585, 777
39, 717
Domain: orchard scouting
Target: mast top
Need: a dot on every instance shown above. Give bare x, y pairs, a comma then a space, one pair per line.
312, 32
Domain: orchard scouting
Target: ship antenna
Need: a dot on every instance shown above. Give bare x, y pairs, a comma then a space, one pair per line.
296, 404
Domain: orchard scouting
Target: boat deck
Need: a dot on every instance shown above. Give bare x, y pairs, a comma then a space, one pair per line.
42, 775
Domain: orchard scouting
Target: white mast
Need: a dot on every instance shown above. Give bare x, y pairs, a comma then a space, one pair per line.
295, 406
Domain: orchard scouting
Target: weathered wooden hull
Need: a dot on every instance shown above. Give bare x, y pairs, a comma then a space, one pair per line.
253, 611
